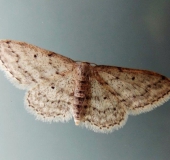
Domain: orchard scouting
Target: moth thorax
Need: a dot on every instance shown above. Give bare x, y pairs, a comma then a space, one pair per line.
81, 91
83, 71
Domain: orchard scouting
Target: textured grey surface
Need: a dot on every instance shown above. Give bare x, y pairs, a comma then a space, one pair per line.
131, 34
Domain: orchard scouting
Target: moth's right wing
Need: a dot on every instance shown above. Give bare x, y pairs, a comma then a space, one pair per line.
138, 90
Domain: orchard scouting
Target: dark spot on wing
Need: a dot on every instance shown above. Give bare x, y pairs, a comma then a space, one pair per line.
51, 54
163, 77
120, 69
149, 86
133, 78
85, 106
7, 42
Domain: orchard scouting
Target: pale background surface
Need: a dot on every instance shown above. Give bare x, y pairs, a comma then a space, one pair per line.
112, 32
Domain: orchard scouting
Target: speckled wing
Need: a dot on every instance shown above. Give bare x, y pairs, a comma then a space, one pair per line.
104, 113
52, 100
137, 90
26, 65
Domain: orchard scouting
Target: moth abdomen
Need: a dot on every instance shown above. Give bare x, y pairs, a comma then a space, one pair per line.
82, 71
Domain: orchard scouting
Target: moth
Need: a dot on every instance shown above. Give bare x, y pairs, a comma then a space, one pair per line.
98, 97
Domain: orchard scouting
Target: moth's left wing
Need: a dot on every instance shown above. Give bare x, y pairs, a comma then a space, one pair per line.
104, 113
52, 100
26, 65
